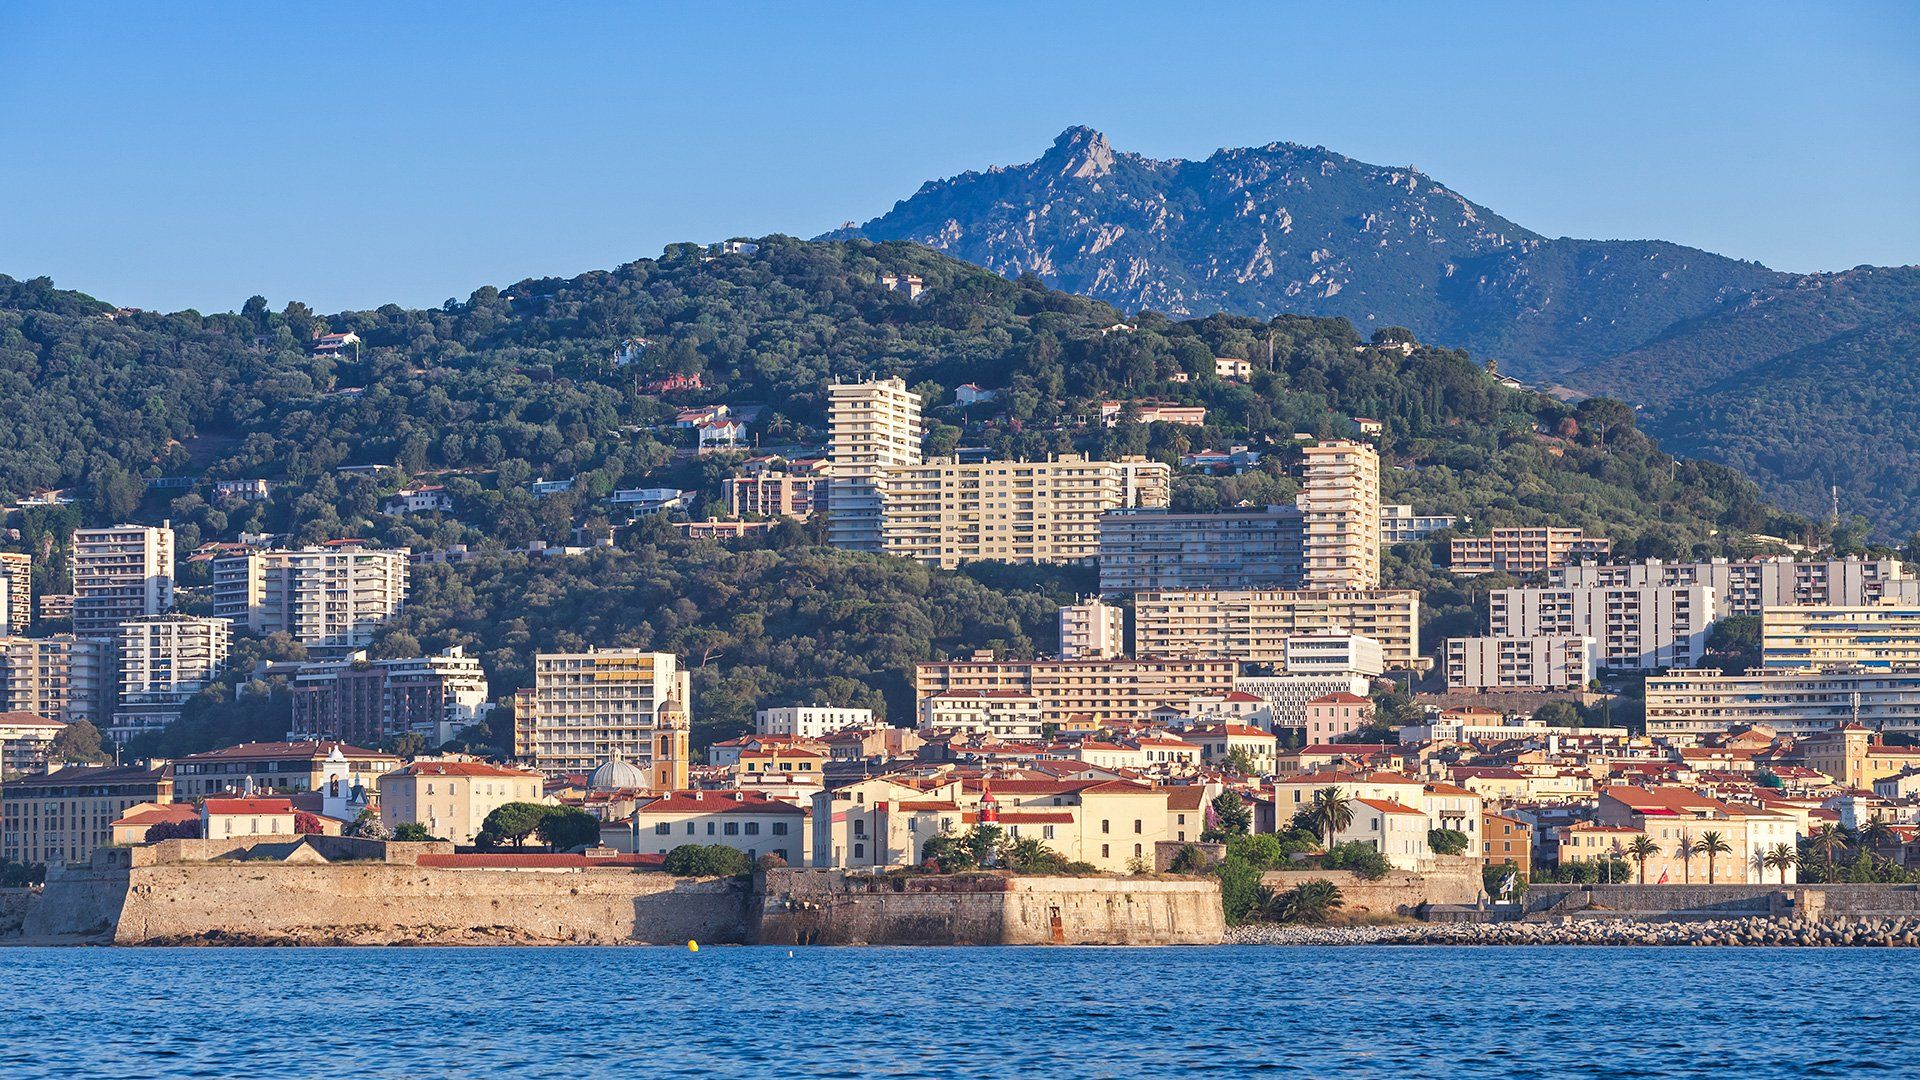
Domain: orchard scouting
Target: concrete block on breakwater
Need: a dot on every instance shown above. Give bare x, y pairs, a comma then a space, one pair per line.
1900, 932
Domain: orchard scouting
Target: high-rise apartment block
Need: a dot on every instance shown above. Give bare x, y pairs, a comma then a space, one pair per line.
1160, 550
1100, 691
594, 706
16, 592
949, 513
1748, 587
331, 597
1524, 550
1254, 626
121, 572
1636, 629
1092, 630
1694, 703
370, 701
163, 660
1878, 637
61, 677
873, 426
1340, 509
1548, 663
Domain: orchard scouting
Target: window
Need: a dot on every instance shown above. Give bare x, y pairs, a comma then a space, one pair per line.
1181, 819
859, 851
1136, 851
859, 827
732, 828
753, 828
1105, 852
1136, 826
663, 828
780, 829
689, 828
1105, 825
1046, 831
709, 828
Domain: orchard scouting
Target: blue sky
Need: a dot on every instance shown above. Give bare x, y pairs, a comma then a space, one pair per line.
344, 154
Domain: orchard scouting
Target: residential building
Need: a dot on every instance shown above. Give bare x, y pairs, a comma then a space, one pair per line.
224, 819
1400, 525
1152, 412
121, 572
948, 513
775, 488
1340, 511
16, 592
1751, 586
1637, 629
1103, 691
245, 490
594, 706
1524, 550
370, 701
1287, 695
24, 742
61, 676
1254, 626
1877, 637
1092, 630
1532, 664
1671, 816
1854, 756
1219, 741
427, 499
334, 596
641, 501
1332, 654
1003, 715
1232, 369
452, 798
873, 426
1394, 829
164, 660
1158, 550
810, 721
751, 822
1691, 703
63, 816
291, 767
1505, 839
1333, 716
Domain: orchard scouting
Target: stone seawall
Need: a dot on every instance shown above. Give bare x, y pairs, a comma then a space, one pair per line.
830, 907
1399, 892
1839, 900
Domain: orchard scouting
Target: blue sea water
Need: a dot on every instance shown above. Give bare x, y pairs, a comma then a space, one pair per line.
988, 1012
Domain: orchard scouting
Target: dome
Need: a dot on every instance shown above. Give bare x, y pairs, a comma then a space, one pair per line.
615, 774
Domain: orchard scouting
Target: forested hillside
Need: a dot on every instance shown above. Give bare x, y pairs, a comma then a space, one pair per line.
520, 382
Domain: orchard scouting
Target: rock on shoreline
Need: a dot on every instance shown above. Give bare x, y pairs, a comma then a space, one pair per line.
1881, 932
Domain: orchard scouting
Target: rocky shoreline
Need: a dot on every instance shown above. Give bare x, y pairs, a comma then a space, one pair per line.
1893, 932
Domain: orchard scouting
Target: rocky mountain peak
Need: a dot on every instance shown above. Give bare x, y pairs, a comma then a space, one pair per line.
1080, 152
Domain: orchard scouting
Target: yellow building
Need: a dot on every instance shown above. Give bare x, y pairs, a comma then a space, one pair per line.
1253, 626
1340, 509
1103, 691
453, 798
63, 816
948, 513
1874, 637
602, 704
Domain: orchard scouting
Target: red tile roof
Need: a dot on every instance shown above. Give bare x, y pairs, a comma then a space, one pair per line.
719, 802
536, 860
464, 768
275, 751
27, 719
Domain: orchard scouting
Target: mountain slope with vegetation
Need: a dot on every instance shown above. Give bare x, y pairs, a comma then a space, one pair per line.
521, 382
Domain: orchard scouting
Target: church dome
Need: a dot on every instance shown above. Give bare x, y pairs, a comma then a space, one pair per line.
616, 774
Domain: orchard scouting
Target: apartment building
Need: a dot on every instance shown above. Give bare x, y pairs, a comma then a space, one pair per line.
948, 513
1100, 691
24, 742
162, 661
370, 701
1536, 664
594, 706
62, 676
1878, 637
335, 596
16, 592
1400, 525
775, 488
64, 816
1340, 514
1006, 715
1636, 629
1529, 550
453, 798
1751, 586
1672, 816
1332, 654
1336, 715
294, 766
1092, 630
119, 573
1286, 696
810, 721
872, 426
1159, 550
751, 822
1693, 703
1254, 626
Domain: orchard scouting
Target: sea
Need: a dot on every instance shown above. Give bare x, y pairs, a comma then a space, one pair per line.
1387, 1011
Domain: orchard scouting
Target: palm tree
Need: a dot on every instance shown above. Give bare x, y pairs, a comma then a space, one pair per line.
1780, 857
1828, 840
1330, 812
1685, 850
1875, 834
1713, 845
1642, 848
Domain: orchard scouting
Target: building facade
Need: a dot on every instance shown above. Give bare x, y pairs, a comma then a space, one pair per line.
163, 660
64, 816
1340, 514
1695, 703
1877, 637
1254, 626
331, 597
809, 721
1637, 629
16, 592
1102, 691
24, 742
872, 426
1537, 664
370, 701
595, 706
1526, 550
1749, 587
328, 767
453, 798
1400, 525
121, 572
1092, 630
63, 676
1160, 550
948, 513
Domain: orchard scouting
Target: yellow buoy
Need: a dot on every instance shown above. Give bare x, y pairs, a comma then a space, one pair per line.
692, 945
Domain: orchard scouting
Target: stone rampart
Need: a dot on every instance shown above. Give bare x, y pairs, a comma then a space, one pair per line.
1701, 901
1399, 892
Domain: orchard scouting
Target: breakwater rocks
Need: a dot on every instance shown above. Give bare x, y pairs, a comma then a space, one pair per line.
1887, 932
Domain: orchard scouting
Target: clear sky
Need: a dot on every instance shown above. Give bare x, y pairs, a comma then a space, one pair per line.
346, 154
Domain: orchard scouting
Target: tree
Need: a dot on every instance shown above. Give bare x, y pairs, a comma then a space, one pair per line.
1779, 857
306, 823
1229, 818
1876, 834
1685, 850
1713, 845
1308, 902
1362, 859
1641, 848
368, 826
515, 821
1240, 760
565, 828
1829, 841
174, 830
706, 860
1447, 841
1559, 714
78, 744
412, 832
1332, 811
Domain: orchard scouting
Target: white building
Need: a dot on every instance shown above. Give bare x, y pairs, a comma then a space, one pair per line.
1637, 629
1332, 654
1564, 662
810, 721
873, 426
1092, 630
163, 661
1287, 695
1748, 587
119, 573
1006, 715
334, 596
1400, 525
1701, 702
1883, 637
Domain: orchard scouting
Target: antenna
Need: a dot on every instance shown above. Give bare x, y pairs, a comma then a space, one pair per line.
1835, 490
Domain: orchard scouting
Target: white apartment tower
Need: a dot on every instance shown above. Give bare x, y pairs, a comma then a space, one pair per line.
872, 426
163, 661
16, 592
594, 706
334, 596
1340, 509
119, 573
1092, 630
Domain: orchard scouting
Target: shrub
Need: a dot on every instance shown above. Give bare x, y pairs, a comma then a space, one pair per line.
1308, 902
1357, 858
1239, 888
413, 832
1190, 859
1263, 851
706, 860
306, 824
174, 830
1446, 841
770, 861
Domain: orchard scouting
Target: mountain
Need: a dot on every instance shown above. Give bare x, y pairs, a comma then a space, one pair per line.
1288, 228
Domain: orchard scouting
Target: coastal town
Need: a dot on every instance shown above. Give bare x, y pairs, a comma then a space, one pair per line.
1245, 695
